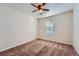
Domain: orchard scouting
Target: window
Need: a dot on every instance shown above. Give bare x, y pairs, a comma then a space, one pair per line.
50, 27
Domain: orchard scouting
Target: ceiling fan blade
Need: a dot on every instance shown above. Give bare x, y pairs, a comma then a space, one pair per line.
34, 11
43, 4
33, 5
45, 9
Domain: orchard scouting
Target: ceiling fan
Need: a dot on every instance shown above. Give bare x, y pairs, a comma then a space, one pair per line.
39, 7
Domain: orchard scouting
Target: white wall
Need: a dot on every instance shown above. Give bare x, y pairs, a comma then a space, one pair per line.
64, 28
76, 28
15, 28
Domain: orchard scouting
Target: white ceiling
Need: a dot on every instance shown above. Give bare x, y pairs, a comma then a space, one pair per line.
55, 8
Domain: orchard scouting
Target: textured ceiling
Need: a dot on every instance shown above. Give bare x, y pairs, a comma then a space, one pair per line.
55, 8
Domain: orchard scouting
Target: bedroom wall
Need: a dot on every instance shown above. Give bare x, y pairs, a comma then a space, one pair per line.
63, 31
76, 28
16, 28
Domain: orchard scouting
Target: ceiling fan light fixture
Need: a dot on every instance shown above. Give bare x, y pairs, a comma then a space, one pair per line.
40, 11
39, 8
